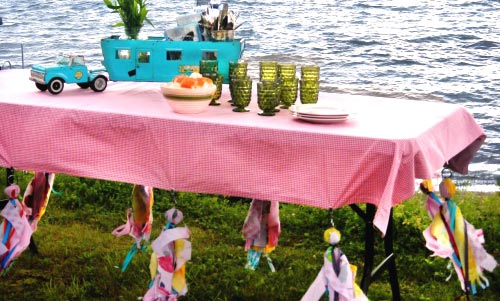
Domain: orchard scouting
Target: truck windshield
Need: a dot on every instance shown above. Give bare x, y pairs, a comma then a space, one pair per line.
62, 60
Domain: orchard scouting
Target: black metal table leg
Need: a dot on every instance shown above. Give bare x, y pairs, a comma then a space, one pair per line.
369, 248
390, 262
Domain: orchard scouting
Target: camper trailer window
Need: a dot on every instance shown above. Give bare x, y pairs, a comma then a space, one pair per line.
174, 55
209, 55
144, 57
123, 54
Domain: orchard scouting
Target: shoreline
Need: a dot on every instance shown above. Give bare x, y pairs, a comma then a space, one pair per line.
485, 187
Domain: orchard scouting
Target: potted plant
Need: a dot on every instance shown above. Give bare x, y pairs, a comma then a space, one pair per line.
133, 14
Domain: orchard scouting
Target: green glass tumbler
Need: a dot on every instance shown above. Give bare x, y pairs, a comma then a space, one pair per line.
267, 96
268, 71
209, 66
309, 91
276, 85
232, 78
289, 92
238, 68
309, 72
287, 71
217, 80
242, 92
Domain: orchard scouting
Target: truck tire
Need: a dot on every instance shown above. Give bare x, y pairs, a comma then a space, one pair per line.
99, 83
41, 87
56, 85
83, 85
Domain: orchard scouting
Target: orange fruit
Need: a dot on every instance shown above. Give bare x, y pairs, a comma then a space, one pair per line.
179, 78
189, 82
204, 80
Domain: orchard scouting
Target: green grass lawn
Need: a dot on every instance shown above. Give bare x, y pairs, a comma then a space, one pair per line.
79, 258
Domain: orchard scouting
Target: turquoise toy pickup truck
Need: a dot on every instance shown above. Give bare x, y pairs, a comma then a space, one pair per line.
70, 69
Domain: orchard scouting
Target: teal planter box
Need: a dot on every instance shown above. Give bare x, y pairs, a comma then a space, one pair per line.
157, 59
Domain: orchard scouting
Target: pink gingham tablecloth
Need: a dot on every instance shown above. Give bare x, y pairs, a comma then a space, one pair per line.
128, 133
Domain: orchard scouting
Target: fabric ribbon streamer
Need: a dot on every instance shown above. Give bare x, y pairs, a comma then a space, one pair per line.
139, 221
451, 236
337, 277
171, 251
15, 230
36, 196
261, 231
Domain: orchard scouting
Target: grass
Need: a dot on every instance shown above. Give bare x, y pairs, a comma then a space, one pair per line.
80, 260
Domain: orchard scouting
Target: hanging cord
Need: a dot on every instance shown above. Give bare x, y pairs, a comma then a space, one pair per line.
330, 212
173, 198
10, 181
173, 201
10, 176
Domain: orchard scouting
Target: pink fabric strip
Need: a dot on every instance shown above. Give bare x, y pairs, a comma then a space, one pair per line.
129, 134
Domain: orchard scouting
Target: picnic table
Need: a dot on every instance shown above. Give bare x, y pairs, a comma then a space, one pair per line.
128, 133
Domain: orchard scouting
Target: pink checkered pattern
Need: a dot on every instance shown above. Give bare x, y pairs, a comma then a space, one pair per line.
128, 133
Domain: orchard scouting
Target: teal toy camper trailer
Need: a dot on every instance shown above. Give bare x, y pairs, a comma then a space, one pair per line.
158, 59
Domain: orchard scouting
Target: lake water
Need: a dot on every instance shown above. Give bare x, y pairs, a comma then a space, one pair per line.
420, 49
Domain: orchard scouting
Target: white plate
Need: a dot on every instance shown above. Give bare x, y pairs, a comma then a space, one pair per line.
322, 120
312, 110
323, 116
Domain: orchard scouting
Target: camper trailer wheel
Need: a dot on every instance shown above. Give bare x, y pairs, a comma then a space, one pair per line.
41, 87
56, 85
84, 85
99, 83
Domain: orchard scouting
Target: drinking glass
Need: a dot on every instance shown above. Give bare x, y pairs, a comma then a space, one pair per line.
267, 97
209, 66
289, 92
268, 71
309, 91
279, 86
237, 69
218, 79
242, 94
287, 71
215, 78
309, 72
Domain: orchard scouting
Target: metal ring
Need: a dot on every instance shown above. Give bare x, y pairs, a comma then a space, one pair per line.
446, 173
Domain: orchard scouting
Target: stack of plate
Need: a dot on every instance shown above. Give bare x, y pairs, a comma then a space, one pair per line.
319, 113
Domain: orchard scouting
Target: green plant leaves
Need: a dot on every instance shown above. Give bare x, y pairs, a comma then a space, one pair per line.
133, 14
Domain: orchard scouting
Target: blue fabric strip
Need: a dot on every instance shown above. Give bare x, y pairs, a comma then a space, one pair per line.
452, 207
7, 233
131, 253
7, 257
435, 198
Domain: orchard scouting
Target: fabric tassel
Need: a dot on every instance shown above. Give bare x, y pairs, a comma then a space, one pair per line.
261, 231
139, 221
15, 230
451, 236
336, 277
172, 251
